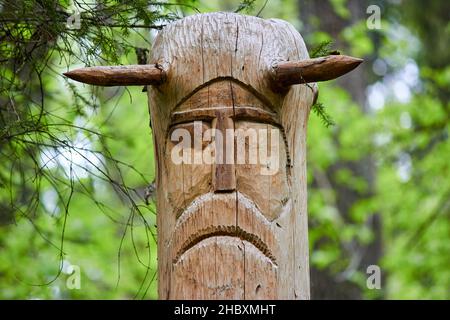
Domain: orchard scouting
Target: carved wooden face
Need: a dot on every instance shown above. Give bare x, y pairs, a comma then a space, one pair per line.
226, 204
246, 143
221, 223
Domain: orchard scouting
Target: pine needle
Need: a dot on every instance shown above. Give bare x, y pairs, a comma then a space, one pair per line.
319, 109
323, 49
246, 6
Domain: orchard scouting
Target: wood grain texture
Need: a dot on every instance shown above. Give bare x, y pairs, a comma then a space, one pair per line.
245, 236
131, 75
313, 70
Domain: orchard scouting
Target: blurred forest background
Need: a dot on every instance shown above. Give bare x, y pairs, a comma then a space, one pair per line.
76, 161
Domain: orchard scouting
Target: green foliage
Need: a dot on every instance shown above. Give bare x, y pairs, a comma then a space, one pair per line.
319, 109
71, 183
75, 160
246, 6
341, 8
409, 142
360, 38
322, 49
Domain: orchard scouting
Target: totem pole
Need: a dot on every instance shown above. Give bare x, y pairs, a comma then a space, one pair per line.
231, 207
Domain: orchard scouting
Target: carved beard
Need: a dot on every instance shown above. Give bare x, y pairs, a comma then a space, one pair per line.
226, 231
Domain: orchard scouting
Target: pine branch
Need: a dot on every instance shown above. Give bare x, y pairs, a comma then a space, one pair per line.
323, 49
246, 6
319, 109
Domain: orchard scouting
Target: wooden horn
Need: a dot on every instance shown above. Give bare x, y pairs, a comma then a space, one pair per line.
313, 70
130, 75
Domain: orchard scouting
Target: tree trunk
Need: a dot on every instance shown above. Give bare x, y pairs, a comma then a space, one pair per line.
230, 230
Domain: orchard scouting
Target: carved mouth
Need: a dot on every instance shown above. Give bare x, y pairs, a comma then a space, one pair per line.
232, 231
201, 221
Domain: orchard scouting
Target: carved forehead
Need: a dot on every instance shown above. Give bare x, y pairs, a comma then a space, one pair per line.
202, 48
223, 93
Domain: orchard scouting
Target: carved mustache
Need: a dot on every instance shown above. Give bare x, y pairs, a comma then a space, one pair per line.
201, 220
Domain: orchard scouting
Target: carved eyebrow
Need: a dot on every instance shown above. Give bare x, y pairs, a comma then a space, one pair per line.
236, 113
252, 113
199, 114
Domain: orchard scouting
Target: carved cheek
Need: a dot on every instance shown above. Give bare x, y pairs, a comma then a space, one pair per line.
266, 181
187, 180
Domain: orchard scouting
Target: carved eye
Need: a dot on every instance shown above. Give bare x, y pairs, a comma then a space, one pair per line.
190, 130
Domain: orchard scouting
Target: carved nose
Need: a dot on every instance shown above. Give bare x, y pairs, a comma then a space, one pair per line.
224, 179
